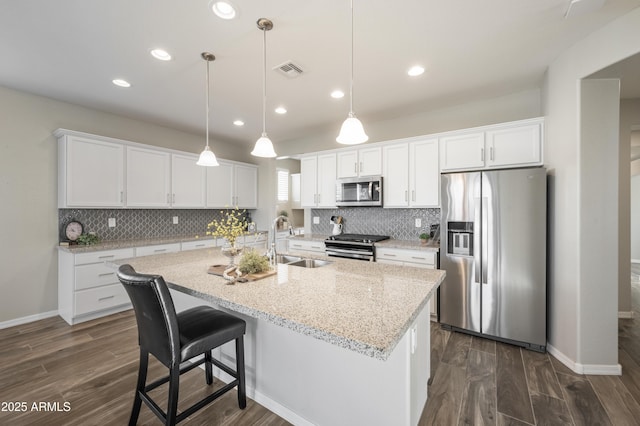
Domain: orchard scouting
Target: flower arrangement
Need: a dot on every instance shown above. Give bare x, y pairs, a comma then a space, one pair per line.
232, 225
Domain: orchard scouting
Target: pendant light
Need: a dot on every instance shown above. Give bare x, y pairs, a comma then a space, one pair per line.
352, 132
207, 157
264, 147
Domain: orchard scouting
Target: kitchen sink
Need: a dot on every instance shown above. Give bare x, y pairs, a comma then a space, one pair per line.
285, 258
309, 263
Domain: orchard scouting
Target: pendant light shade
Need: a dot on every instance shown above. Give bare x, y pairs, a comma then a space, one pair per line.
352, 131
207, 157
264, 146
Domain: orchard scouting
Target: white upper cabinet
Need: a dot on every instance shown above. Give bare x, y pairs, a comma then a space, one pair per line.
90, 174
458, 152
411, 175
148, 178
424, 174
515, 144
318, 181
231, 184
396, 175
359, 162
246, 185
187, 182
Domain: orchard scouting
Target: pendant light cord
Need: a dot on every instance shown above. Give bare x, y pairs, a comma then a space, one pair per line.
264, 81
351, 82
207, 109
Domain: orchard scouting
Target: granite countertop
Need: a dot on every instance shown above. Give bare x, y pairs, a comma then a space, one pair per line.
362, 306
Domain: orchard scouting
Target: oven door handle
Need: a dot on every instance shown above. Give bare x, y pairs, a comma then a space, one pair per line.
347, 251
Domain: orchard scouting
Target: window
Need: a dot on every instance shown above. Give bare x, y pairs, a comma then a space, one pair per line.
283, 184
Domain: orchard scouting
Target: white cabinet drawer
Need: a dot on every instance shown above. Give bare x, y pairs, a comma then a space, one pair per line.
417, 257
199, 244
317, 246
102, 256
158, 249
97, 299
94, 275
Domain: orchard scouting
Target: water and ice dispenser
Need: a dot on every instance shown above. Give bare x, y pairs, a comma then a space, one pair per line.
460, 238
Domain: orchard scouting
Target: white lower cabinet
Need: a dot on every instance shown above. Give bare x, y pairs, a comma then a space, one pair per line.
306, 245
87, 288
413, 258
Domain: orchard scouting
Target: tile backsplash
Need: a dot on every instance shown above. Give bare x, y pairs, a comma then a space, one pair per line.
397, 223
133, 224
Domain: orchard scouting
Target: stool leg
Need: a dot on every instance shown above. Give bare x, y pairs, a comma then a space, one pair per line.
142, 378
242, 393
208, 370
174, 384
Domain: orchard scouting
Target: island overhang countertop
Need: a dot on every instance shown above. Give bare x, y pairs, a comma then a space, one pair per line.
362, 306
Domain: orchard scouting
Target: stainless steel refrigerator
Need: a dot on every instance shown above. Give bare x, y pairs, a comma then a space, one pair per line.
493, 246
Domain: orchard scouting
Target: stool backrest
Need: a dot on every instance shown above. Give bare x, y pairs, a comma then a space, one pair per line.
155, 313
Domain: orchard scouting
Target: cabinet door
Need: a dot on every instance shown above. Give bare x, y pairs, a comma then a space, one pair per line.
514, 146
148, 178
370, 161
187, 182
424, 174
94, 173
396, 175
308, 181
295, 191
327, 180
347, 164
246, 186
220, 185
462, 152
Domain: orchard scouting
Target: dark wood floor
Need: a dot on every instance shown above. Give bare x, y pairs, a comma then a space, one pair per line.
93, 367
480, 382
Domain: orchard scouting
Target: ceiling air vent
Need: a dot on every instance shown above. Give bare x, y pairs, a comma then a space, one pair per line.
289, 69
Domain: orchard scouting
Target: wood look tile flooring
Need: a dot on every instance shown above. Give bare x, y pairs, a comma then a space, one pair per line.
477, 381
93, 367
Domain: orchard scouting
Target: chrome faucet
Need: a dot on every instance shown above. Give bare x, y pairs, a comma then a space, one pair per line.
271, 252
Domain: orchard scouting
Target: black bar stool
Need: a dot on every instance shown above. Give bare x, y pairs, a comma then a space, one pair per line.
175, 338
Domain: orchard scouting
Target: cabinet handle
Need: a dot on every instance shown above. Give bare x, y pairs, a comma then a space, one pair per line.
361, 168
481, 154
121, 196
355, 168
319, 198
106, 274
105, 298
406, 195
159, 250
413, 195
418, 258
388, 255
168, 198
174, 198
109, 256
199, 245
491, 153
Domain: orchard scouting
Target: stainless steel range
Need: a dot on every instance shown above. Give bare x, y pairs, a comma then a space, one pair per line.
353, 246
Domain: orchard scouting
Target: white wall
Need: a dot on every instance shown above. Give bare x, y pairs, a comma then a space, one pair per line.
28, 188
567, 245
635, 216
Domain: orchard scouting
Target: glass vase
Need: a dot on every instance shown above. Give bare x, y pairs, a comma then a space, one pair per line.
231, 250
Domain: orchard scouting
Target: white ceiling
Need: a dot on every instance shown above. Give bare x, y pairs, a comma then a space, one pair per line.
71, 50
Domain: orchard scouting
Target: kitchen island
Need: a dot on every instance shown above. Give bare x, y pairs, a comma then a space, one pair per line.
345, 343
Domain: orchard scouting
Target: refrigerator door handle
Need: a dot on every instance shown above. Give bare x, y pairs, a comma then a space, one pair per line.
476, 242
485, 238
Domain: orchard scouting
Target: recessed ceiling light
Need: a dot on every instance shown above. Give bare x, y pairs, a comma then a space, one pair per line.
163, 55
337, 94
122, 83
238, 123
281, 110
224, 9
415, 71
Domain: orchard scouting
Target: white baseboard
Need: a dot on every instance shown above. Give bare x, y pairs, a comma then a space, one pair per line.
626, 314
593, 369
27, 319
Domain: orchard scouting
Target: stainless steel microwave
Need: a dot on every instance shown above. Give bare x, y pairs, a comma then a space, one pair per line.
366, 191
